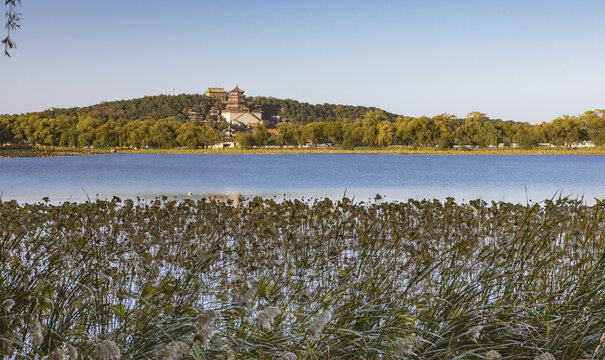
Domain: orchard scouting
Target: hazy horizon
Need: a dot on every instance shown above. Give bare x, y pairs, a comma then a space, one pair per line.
529, 61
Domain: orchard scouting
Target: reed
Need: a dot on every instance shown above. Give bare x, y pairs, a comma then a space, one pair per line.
308, 280
45, 151
50, 151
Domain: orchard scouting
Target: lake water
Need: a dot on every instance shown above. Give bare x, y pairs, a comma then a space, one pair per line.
361, 176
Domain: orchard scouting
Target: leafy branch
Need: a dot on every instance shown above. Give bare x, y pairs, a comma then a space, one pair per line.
13, 22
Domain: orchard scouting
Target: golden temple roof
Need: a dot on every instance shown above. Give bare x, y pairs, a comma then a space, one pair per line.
237, 89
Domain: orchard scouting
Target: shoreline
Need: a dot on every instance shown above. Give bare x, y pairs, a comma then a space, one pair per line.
50, 151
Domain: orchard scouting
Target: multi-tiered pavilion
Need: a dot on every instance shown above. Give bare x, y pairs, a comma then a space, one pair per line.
237, 112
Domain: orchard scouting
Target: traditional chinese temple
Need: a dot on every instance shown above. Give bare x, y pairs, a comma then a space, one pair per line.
218, 93
237, 112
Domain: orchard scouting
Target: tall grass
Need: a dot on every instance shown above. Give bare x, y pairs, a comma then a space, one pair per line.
18, 151
50, 151
306, 280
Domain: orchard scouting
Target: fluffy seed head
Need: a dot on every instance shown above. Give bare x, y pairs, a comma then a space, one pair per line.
205, 335
176, 350
207, 318
290, 356
407, 345
230, 355
545, 356
35, 331
265, 318
71, 351
58, 354
474, 333
603, 340
242, 300
493, 355
8, 305
106, 350
318, 323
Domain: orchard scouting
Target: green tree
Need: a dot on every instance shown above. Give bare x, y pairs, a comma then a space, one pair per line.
288, 134
260, 134
136, 133
574, 129
444, 127
162, 133
370, 126
420, 131
86, 130
6, 135
595, 125
445, 141
478, 129
314, 132
244, 140
107, 135
333, 132
210, 135
353, 132
189, 135
385, 133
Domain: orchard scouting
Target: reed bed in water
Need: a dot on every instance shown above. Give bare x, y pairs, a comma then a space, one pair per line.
302, 280
19, 151
50, 151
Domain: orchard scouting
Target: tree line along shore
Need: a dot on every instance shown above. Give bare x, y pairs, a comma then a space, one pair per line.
162, 122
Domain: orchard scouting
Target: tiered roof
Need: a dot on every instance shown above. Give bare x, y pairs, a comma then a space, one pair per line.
237, 101
216, 92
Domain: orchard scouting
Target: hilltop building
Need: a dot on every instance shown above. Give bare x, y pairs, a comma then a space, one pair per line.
218, 93
194, 116
237, 112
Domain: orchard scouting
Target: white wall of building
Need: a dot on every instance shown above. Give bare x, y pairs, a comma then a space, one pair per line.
245, 118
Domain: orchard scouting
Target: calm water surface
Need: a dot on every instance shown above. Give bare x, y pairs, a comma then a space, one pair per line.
397, 177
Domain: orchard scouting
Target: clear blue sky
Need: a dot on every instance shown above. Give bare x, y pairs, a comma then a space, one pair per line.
520, 60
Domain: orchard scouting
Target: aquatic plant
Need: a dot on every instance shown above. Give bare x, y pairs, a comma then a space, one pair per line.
302, 279
8, 305
493, 355
106, 350
52, 151
265, 317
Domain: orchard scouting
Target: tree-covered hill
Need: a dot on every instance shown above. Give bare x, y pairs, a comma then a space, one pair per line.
158, 121
164, 106
304, 113
163, 121
145, 108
